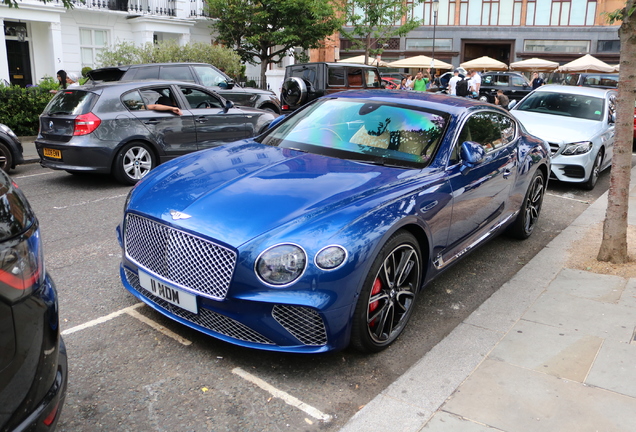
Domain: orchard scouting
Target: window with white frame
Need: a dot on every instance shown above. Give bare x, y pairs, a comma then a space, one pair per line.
92, 43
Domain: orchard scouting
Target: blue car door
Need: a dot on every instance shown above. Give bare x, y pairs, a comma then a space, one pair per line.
480, 192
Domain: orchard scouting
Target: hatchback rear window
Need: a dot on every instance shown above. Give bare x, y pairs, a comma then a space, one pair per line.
71, 102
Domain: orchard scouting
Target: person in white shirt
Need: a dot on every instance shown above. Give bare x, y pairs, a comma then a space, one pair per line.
452, 83
475, 83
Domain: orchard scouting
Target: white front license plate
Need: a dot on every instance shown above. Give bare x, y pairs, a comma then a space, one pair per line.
169, 293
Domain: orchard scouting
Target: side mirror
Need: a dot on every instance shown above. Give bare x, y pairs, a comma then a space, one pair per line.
228, 84
228, 104
511, 104
472, 153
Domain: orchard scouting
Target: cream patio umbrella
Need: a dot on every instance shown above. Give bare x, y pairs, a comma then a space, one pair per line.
534, 65
587, 63
420, 61
360, 60
484, 63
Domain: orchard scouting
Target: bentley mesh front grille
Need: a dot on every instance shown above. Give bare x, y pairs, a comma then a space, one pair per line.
205, 318
180, 258
304, 323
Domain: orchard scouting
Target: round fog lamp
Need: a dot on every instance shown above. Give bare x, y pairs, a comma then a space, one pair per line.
331, 257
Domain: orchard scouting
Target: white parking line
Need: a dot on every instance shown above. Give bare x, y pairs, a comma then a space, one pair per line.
286, 397
155, 325
90, 202
568, 198
101, 319
34, 175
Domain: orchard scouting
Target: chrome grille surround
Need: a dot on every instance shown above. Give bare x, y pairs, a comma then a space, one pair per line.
554, 148
205, 318
304, 323
180, 258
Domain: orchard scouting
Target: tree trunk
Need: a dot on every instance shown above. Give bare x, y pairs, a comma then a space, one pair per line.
614, 244
264, 64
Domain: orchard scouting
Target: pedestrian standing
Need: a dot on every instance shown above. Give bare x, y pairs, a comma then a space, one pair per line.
419, 84
474, 83
537, 81
452, 83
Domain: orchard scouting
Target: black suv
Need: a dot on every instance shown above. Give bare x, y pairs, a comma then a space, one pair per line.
200, 73
308, 81
513, 84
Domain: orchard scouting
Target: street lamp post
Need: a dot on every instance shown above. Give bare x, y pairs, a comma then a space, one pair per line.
435, 9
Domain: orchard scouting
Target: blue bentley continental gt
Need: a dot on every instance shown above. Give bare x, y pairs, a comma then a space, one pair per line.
321, 232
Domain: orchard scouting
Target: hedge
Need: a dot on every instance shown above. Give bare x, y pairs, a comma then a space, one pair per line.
21, 107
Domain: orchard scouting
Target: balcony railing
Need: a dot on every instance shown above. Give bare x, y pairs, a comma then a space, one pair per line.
199, 8
135, 7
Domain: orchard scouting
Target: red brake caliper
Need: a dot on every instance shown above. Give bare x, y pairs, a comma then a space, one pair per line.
377, 286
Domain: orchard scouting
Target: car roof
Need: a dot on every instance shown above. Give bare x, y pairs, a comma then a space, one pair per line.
127, 85
454, 105
125, 67
578, 90
334, 64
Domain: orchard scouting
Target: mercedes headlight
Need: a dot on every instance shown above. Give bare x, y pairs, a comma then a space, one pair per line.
577, 148
281, 264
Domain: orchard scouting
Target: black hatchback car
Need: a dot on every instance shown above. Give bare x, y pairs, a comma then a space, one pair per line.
10, 149
33, 363
199, 73
116, 128
514, 85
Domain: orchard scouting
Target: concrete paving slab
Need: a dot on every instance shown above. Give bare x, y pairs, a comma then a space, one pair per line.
549, 350
593, 286
629, 294
563, 311
446, 422
615, 368
514, 399
385, 414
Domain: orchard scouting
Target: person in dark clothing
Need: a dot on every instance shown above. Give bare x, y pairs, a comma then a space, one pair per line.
537, 81
501, 99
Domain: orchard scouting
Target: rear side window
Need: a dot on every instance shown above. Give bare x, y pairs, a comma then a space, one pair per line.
138, 100
336, 77
354, 77
144, 73
71, 102
176, 73
373, 79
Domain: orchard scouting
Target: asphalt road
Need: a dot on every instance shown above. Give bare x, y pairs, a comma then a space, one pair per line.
136, 371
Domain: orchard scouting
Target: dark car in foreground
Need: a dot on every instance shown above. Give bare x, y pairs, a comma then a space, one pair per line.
116, 128
198, 73
10, 149
323, 231
33, 364
513, 84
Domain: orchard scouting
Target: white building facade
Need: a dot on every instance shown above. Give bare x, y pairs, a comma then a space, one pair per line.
39, 39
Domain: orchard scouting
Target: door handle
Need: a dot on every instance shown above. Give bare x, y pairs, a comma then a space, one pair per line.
152, 122
201, 120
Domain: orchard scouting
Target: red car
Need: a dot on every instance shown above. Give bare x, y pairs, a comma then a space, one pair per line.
391, 83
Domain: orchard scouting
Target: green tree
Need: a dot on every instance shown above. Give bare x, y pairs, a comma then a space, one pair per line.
614, 244
375, 22
264, 31
14, 3
171, 52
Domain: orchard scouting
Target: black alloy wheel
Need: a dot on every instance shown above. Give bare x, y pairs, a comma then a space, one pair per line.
528, 216
388, 295
6, 159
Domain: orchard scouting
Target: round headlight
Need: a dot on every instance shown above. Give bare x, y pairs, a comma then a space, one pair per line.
331, 257
281, 264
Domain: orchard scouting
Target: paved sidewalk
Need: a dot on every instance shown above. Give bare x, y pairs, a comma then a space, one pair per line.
553, 350
28, 149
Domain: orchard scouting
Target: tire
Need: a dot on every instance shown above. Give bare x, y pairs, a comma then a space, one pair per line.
526, 220
294, 91
386, 301
596, 172
483, 98
133, 162
6, 158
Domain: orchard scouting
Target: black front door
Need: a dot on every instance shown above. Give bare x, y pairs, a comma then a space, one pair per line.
19, 63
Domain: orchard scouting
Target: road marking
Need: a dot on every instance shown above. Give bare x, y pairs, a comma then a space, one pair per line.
101, 319
155, 325
90, 202
34, 175
286, 397
568, 198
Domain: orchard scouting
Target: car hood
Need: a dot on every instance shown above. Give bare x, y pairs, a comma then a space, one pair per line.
237, 192
558, 129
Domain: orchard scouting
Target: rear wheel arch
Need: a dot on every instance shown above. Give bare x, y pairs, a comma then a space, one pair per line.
153, 147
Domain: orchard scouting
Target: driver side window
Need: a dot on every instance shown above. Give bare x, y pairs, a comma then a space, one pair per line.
491, 130
198, 99
209, 76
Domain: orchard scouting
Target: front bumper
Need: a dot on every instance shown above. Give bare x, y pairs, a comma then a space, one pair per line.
573, 169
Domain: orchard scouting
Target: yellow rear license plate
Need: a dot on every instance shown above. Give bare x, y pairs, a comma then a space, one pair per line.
52, 153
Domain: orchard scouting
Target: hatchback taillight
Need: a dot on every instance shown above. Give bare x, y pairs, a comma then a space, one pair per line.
21, 265
86, 123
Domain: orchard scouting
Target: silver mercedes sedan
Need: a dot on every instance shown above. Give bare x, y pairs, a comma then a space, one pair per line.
578, 123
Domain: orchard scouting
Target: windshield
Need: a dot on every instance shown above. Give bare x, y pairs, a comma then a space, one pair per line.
567, 105
362, 130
